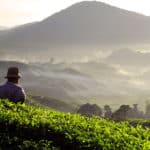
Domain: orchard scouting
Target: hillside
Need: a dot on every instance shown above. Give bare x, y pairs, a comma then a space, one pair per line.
52, 103
26, 127
83, 27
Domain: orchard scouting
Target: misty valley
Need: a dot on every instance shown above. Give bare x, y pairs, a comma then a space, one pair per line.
120, 78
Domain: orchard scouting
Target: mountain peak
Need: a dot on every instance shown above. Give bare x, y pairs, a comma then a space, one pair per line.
95, 9
101, 5
84, 25
90, 5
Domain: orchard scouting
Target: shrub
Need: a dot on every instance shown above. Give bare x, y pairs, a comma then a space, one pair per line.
24, 126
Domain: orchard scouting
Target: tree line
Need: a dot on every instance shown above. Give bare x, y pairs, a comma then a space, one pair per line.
124, 112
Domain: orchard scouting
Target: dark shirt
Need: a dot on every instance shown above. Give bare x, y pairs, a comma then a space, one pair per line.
12, 91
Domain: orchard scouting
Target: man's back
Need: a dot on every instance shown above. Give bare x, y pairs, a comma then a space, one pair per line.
12, 91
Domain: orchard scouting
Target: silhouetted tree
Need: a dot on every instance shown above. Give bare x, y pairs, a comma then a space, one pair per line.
108, 111
135, 113
122, 113
90, 110
147, 110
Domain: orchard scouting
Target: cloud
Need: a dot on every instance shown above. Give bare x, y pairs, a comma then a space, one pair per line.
127, 57
124, 72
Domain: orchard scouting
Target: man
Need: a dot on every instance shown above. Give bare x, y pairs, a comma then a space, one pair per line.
11, 90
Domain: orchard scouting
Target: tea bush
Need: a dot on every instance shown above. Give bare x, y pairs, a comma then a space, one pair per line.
30, 127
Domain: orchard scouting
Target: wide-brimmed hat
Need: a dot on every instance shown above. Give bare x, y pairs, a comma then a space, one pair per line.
13, 72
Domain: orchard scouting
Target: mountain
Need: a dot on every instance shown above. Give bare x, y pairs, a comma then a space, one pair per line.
79, 29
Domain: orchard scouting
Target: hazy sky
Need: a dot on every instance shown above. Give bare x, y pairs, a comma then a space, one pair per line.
14, 12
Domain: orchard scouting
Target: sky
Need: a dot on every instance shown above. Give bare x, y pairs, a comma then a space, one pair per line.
16, 12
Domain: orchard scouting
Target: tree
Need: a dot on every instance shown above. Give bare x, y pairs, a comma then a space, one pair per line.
147, 110
90, 110
135, 113
122, 113
108, 111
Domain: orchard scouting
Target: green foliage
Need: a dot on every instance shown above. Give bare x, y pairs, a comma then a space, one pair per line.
30, 127
145, 123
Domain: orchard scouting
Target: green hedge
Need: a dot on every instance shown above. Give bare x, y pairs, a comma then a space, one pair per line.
145, 123
29, 127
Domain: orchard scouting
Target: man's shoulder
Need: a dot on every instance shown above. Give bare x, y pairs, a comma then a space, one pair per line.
11, 85
2, 85
17, 86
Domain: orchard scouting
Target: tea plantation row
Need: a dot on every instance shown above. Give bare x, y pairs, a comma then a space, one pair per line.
145, 123
29, 127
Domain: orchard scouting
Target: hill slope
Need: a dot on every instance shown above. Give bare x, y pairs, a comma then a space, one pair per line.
52, 103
